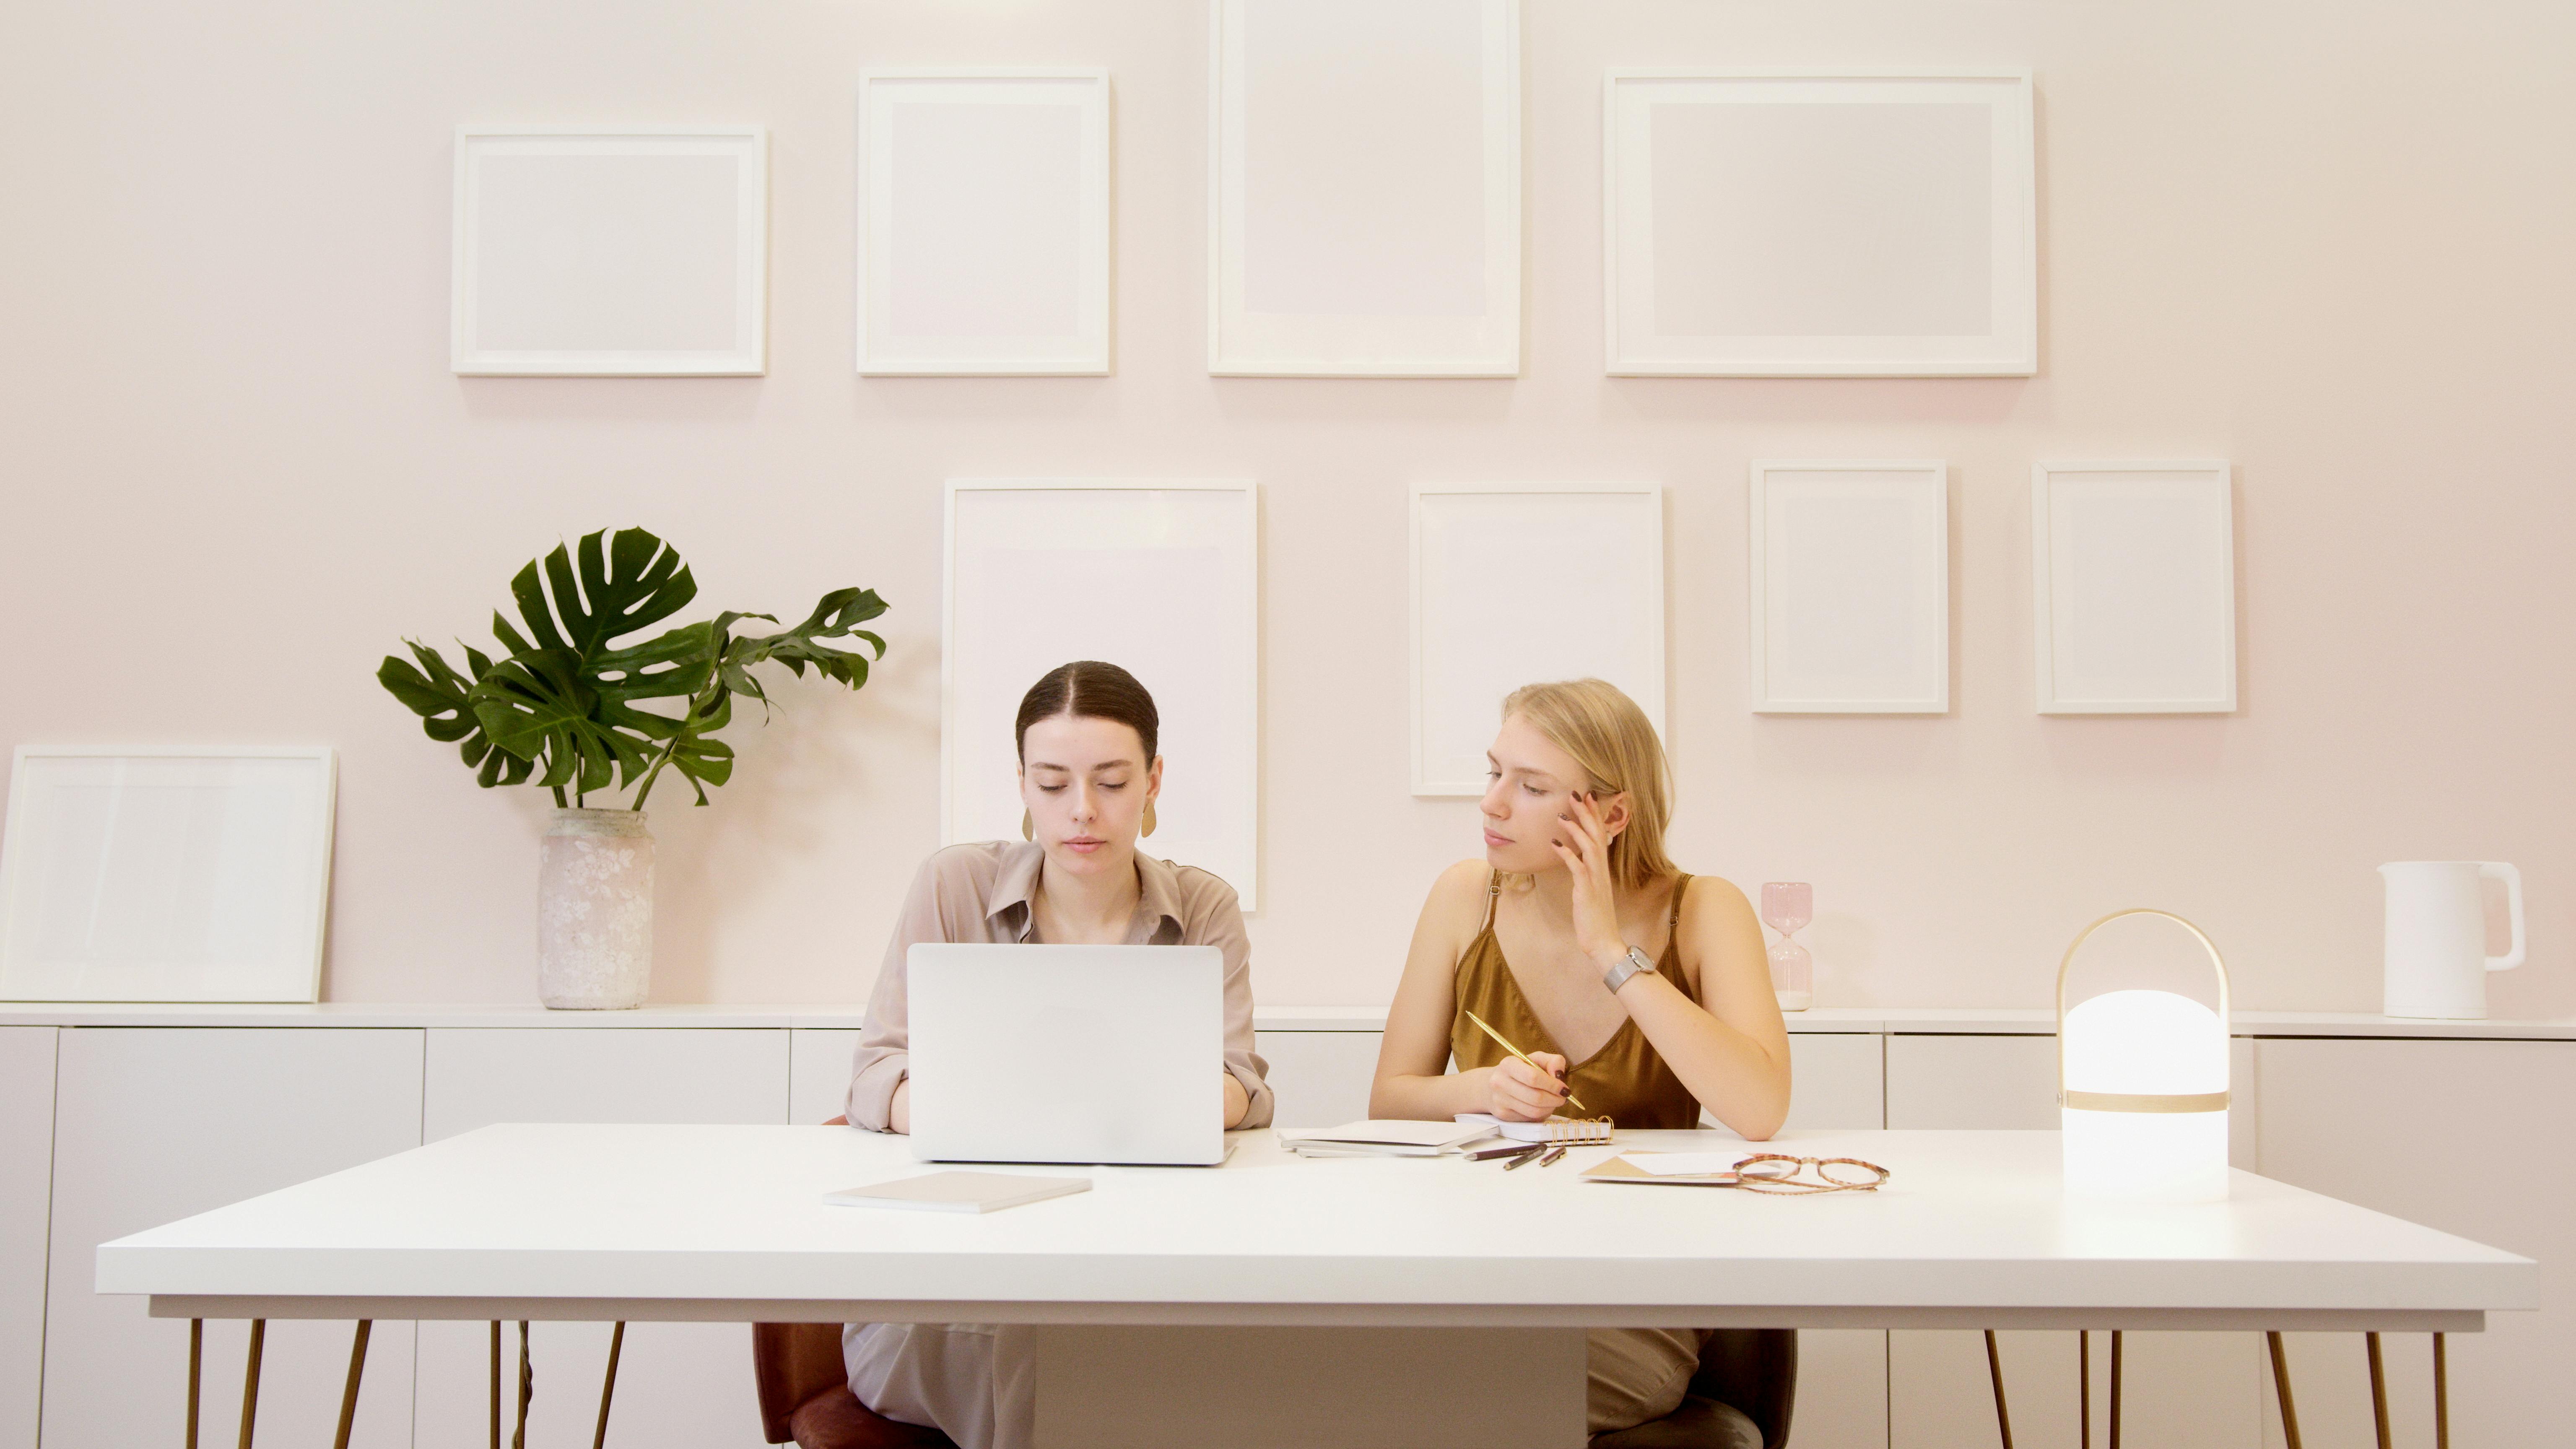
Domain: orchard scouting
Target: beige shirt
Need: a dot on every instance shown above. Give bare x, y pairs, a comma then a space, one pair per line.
981, 893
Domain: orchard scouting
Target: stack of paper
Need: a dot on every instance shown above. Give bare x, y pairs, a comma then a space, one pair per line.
1379, 1138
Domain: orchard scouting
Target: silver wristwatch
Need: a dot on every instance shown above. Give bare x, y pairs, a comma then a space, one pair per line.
1629, 965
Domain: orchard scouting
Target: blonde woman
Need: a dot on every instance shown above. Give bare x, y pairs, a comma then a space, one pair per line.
1641, 989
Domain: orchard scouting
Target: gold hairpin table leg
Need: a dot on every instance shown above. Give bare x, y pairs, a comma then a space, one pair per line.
608, 1386
496, 1384
2378, 1390
2115, 1389
2084, 1384
527, 1386
196, 1364
1995, 1368
250, 1378
2441, 1394
349, 1394
2281, 1387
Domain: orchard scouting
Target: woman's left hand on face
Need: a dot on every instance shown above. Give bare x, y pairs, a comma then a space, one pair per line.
1583, 843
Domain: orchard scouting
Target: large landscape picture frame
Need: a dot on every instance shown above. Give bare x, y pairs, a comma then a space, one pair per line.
183, 873
1159, 576
2133, 587
610, 251
1364, 188
1520, 583
1819, 225
1849, 587
984, 222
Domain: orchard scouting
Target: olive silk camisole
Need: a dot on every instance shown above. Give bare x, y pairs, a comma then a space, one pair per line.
1626, 1081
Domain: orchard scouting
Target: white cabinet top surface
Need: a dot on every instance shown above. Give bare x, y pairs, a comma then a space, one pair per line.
663, 1212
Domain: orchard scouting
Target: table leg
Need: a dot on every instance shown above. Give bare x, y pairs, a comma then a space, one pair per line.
2281, 1387
608, 1386
496, 1384
2378, 1390
2084, 1383
196, 1360
250, 1378
527, 1387
2115, 1389
1995, 1369
2441, 1394
349, 1394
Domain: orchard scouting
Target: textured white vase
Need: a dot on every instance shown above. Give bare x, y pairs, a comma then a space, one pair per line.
594, 910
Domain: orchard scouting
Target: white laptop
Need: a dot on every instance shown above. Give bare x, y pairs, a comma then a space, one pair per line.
1109, 1054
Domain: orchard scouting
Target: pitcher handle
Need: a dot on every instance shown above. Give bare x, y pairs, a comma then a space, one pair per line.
2512, 878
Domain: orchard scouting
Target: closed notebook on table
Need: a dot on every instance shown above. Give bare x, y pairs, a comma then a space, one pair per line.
1696, 1169
958, 1192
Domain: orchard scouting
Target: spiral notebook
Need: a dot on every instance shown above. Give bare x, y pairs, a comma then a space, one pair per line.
1570, 1131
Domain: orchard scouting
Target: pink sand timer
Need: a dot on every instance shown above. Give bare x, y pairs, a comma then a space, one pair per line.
1787, 906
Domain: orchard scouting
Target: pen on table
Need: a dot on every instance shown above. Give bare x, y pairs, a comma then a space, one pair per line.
1524, 1159
1549, 1160
1523, 1058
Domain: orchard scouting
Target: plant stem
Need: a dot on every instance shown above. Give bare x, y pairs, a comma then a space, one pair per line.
559, 798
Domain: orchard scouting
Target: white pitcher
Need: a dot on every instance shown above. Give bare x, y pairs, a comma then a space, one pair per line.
2437, 960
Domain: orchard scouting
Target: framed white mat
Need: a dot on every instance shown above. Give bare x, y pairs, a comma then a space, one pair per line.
610, 252
165, 874
1820, 225
2133, 572
1850, 575
983, 222
1162, 578
1364, 189
1519, 584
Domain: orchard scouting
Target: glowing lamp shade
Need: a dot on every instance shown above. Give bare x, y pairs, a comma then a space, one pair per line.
2143, 1090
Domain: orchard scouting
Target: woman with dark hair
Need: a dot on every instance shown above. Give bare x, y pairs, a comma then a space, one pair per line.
1088, 776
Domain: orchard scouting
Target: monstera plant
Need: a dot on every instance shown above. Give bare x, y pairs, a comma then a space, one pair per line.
562, 705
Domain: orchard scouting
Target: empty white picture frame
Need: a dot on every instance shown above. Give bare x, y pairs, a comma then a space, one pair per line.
166, 874
1519, 584
1850, 598
1159, 577
983, 222
1820, 225
610, 252
1365, 189
2133, 567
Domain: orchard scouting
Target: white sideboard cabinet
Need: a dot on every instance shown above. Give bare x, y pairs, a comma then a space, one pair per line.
113, 1119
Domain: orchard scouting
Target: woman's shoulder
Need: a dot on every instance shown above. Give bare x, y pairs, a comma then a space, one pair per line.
973, 865
1707, 897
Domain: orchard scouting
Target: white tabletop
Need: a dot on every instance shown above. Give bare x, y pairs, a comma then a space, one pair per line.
686, 1222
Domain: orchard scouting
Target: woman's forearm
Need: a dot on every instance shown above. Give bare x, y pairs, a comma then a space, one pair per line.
1237, 1101
1430, 1099
899, 1111
1732, 1075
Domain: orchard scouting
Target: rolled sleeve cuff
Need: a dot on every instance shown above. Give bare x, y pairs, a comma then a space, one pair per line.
1259, 1107
871, 1103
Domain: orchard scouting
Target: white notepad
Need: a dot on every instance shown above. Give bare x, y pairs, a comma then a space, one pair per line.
1380, 1137
958, 1192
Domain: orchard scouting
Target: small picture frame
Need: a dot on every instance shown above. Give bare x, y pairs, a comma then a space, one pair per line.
2133, 572
610, 252
984, 211
1365, 189
1820, 225
1524, 583
181, 874
1849, 570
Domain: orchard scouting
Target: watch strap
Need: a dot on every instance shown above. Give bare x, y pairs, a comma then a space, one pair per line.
1629, 965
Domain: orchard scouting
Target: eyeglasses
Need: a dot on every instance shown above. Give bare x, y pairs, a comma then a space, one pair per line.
1778, 1172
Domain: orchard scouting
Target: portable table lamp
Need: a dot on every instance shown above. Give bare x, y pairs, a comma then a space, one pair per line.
2142, 1087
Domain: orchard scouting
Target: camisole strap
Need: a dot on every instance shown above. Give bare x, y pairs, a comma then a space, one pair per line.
1493, 893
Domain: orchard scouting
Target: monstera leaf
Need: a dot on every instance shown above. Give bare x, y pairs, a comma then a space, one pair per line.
561, 705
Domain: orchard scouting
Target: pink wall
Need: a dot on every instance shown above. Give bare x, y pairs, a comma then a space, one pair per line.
2330, 241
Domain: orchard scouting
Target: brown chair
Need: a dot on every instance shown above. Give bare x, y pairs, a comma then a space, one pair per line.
805, 1393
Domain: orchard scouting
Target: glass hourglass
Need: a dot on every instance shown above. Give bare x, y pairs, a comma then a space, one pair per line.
1787, 906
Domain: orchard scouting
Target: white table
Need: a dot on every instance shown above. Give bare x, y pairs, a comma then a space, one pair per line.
727, 1223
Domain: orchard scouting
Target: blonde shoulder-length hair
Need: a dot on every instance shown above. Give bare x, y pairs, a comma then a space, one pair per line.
1612, 740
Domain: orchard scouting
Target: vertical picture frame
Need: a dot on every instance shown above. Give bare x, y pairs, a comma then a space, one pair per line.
1161, 577
1849, 577
1364, 189
2133, 572
177, 873
1819, 225
597, 251
984, 236
1521, 583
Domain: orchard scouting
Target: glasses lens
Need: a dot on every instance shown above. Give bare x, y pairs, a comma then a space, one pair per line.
1769, 1167
1848, 1173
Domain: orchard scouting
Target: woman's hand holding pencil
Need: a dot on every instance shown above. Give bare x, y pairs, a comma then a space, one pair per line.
1530, 1086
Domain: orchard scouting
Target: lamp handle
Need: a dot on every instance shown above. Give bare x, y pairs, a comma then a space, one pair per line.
2067, 964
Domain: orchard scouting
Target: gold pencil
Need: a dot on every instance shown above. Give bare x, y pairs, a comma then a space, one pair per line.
1523, 1057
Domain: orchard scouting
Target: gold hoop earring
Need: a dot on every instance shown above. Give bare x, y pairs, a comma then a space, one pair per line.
1149, 817
1028, 827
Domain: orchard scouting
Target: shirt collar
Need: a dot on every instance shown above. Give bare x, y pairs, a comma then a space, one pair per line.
1158, 901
